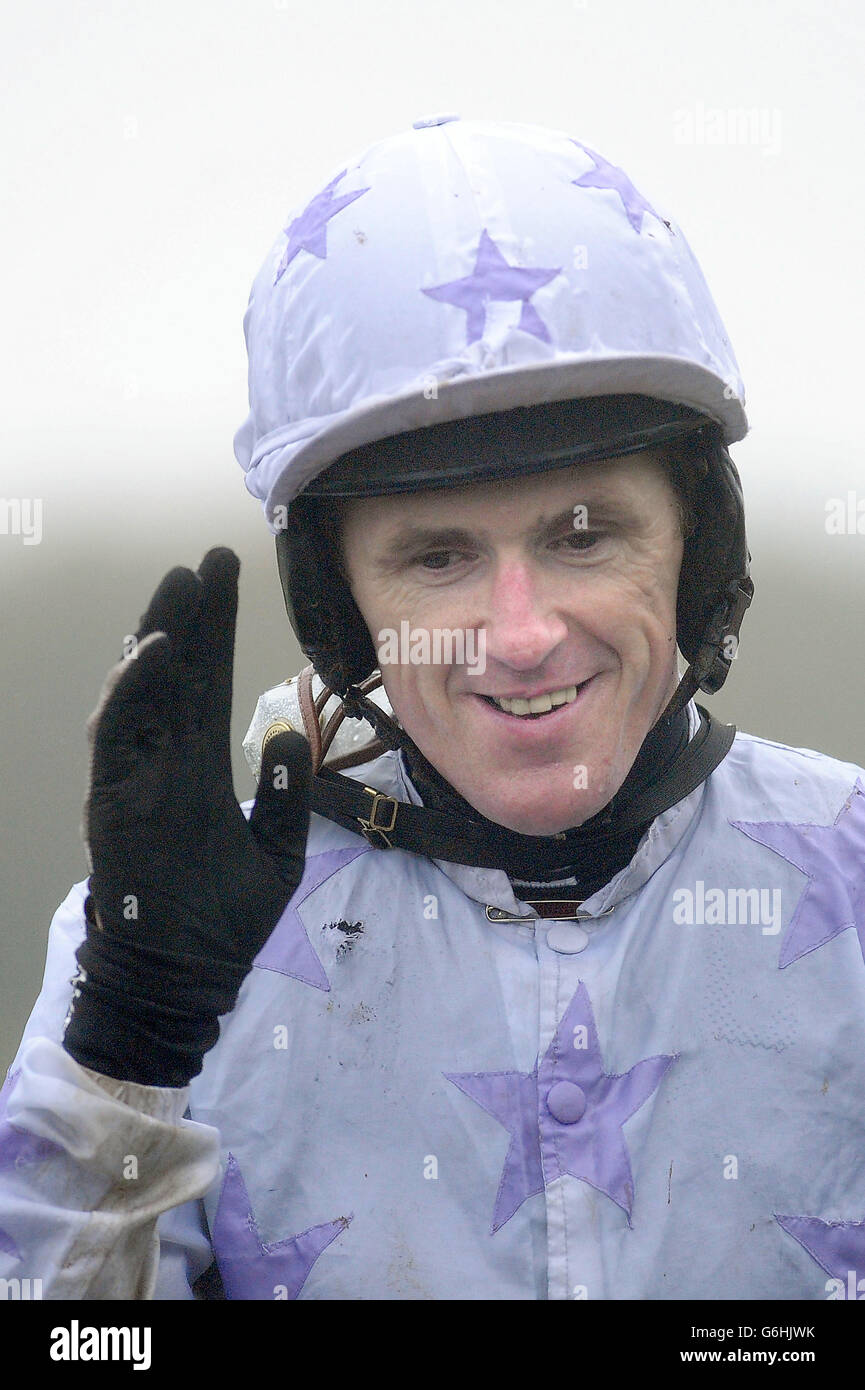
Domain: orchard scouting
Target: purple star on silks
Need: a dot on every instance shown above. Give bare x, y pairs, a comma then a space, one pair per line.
511, 1097
18, 1149
8, 1246
250, 1268
837, 1246
308, 232
833, 857
537, 1108
494, 279
288, 949
8, 1153
606, 175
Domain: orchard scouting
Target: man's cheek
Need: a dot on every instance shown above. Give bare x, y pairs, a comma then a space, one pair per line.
411, 694
648, 581
641, 654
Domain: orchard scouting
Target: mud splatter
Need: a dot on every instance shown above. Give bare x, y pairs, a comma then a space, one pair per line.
350, 933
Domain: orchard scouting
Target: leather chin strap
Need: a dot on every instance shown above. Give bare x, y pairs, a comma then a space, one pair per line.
387, 823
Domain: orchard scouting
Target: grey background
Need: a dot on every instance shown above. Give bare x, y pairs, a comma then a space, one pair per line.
151, 154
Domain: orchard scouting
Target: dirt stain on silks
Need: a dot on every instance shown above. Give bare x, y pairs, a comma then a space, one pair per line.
670, 1184
351, 931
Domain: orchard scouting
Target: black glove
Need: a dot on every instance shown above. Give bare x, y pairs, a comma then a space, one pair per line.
184, 891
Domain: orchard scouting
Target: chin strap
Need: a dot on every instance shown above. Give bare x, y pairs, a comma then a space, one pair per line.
387, 823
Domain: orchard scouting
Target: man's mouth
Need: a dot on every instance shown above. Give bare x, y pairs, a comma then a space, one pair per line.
538, 705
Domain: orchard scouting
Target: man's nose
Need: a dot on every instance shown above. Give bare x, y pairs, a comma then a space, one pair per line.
523, 626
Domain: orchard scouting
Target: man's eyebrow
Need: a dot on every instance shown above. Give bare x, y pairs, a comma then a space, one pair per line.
413, 538
410, 539
599, 506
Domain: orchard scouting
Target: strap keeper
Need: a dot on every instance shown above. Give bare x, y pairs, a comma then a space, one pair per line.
714, 659
372, 827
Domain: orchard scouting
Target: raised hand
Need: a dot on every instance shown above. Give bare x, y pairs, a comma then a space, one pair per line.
184, 891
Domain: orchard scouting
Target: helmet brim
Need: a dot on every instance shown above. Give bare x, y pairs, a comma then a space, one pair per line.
506, 444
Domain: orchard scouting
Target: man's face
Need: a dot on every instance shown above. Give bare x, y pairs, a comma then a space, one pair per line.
566, 583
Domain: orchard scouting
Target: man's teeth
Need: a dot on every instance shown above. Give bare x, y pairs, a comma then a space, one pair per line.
539, 704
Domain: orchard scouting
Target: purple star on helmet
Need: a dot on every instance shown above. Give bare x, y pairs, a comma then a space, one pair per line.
288, 949
606, 175
251, 1268
837, 1246
494, 279
833, 859
566, 1116
308, 232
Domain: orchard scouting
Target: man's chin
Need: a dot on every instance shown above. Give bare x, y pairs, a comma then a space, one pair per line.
540, 827
546, 819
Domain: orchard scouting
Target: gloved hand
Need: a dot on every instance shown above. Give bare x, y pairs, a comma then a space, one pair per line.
184, 891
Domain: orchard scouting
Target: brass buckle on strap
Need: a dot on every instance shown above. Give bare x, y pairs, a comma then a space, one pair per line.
372, 827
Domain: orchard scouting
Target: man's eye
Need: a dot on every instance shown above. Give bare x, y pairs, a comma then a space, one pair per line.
438, 559
581, 540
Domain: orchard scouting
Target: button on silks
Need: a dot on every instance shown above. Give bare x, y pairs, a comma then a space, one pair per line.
567, 938
566, 1102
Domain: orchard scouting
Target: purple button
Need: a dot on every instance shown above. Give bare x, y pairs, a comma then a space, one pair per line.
566, 1102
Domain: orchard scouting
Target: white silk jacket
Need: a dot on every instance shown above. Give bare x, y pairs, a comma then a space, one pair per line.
662, 1100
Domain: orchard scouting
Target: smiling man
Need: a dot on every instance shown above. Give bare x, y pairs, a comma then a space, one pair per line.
560, 990
579, 628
